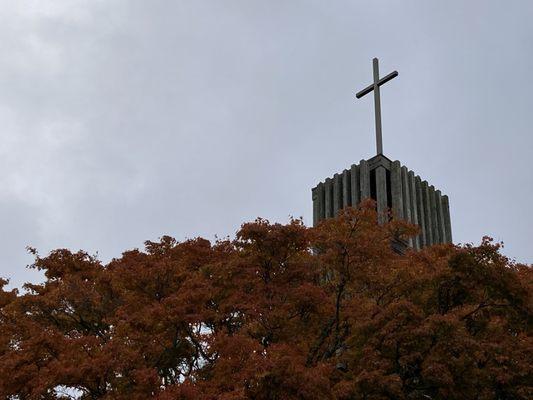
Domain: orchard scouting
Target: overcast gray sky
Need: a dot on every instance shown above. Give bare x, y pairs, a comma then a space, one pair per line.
121, 121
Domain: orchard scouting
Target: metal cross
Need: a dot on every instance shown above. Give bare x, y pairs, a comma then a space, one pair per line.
377, 103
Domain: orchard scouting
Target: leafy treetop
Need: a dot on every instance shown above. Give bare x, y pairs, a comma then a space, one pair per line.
280, 312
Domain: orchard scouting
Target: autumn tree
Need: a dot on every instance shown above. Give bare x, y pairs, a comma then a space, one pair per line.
279, 312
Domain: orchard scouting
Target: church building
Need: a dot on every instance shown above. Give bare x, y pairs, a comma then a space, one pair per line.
397, 190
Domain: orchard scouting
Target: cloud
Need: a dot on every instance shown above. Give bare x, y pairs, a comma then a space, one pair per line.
123, 121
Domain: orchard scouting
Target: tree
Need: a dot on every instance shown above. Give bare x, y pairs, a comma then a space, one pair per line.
280, 312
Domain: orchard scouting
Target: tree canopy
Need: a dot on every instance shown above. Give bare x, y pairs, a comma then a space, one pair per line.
279, 312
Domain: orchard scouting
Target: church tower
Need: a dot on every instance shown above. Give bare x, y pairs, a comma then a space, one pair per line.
393, 186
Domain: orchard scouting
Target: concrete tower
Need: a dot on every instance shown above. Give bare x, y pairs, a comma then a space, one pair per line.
393, 186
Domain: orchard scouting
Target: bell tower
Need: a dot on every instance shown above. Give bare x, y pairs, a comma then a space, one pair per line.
393, 186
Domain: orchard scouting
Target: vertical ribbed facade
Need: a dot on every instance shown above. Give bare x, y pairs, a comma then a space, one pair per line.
397, 192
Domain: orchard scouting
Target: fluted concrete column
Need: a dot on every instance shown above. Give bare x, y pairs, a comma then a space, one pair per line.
355, 187
346, 189
321, 202
427, 213
328, 195
447, 220
406, 194
434, 218
364, 174
314, 195
396, 190
413, 207
337, 194
420, 211
440, 216
381, 194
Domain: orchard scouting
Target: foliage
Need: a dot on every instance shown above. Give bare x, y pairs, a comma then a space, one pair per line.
280, 312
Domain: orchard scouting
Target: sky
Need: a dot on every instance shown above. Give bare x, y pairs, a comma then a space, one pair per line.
122, 121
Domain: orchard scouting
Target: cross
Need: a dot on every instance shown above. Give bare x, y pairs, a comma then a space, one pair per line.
377, 103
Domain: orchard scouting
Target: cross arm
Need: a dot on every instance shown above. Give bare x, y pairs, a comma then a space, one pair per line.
382, 81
